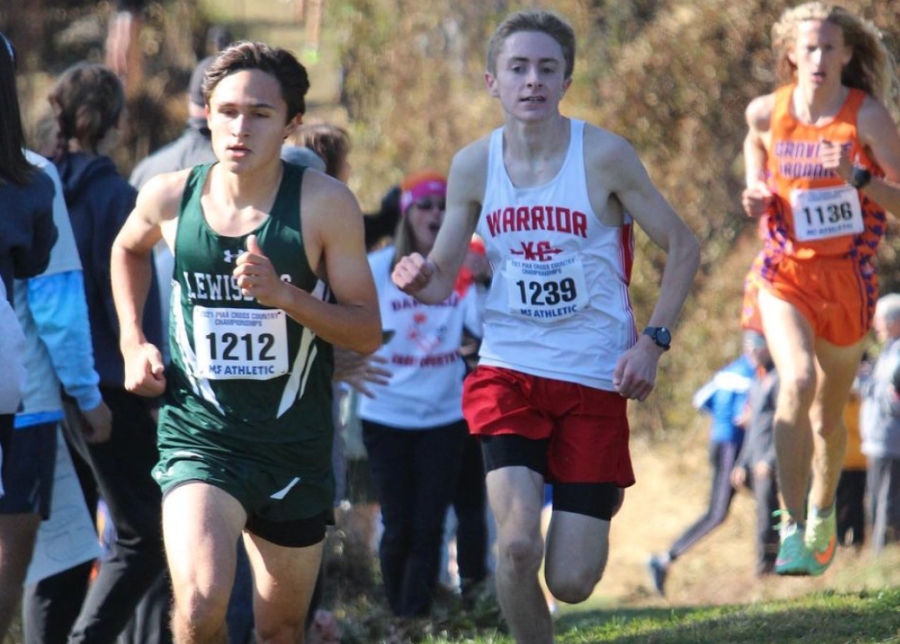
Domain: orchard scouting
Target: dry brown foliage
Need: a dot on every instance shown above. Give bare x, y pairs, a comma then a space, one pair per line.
672, 76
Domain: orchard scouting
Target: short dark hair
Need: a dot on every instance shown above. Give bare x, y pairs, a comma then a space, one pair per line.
280, 63
543, 22
88, 101
14, 167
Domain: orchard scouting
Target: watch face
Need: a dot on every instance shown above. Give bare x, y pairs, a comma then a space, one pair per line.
663, 336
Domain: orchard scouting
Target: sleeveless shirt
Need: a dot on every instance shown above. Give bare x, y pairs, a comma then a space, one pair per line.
558, 306
815, 214
245, 377
425, 390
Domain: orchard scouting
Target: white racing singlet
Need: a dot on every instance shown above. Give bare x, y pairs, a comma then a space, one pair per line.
558, 306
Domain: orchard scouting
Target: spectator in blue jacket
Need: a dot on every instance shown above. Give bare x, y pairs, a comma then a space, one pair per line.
27, 234
724, 398
89, 104
52, 311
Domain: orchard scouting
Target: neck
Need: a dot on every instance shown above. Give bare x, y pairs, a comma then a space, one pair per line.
537, 138
813, 102
248, 189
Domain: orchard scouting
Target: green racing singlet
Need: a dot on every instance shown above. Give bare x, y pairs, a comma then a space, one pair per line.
246, 382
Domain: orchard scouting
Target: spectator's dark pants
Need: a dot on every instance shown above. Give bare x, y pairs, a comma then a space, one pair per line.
722, 457
884, 499
415, 473
851, 508
469, 504
121, 468
765, 490
6, 430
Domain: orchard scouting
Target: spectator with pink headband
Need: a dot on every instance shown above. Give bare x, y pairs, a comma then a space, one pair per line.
421, 185
413, 427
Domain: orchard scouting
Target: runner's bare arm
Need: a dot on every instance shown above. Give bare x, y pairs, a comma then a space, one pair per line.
879, 135
756, 197
132, 273
333, 239
632, 185
431, 280
617, 163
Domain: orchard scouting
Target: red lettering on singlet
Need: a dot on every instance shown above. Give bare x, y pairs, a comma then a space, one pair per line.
509, 219
493, 220
522, 219
537, 218
563, 220
579, 224
552, 218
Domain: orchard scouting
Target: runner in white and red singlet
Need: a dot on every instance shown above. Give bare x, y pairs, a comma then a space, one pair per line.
554, 200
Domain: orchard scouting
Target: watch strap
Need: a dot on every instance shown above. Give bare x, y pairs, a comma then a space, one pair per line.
859, 177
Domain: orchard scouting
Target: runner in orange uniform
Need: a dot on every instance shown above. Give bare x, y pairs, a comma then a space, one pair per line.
823, 164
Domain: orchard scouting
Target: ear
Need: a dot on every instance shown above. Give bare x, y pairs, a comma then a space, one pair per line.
792, 57
292, 125
491, 82
566, 84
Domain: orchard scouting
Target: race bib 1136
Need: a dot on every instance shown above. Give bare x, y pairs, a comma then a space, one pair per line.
826, 212
248, 344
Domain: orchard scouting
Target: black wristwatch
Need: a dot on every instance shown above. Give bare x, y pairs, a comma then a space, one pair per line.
859, 177
660, 335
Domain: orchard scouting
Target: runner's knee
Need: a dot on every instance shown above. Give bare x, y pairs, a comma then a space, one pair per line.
521, 554
797, 392
280, 634
201, 612
829, 430
572, 585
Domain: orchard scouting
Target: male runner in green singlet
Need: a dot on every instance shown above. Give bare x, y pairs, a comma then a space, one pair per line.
245, 433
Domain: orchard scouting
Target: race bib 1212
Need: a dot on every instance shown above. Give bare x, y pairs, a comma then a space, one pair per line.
248, 344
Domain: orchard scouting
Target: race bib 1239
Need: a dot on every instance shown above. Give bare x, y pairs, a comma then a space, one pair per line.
546, 290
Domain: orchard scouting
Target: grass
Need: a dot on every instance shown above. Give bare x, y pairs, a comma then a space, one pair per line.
856, 602
866, 617
821, 618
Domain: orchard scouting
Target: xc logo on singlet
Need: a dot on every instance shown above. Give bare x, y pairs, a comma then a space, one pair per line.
229, 256
540, 252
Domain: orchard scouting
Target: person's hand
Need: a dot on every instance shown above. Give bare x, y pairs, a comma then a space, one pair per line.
360, 371
412, 273
256, 276
98, 424
836, 157
762, 470
635, 373
756, 199
144, 370
738, 477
